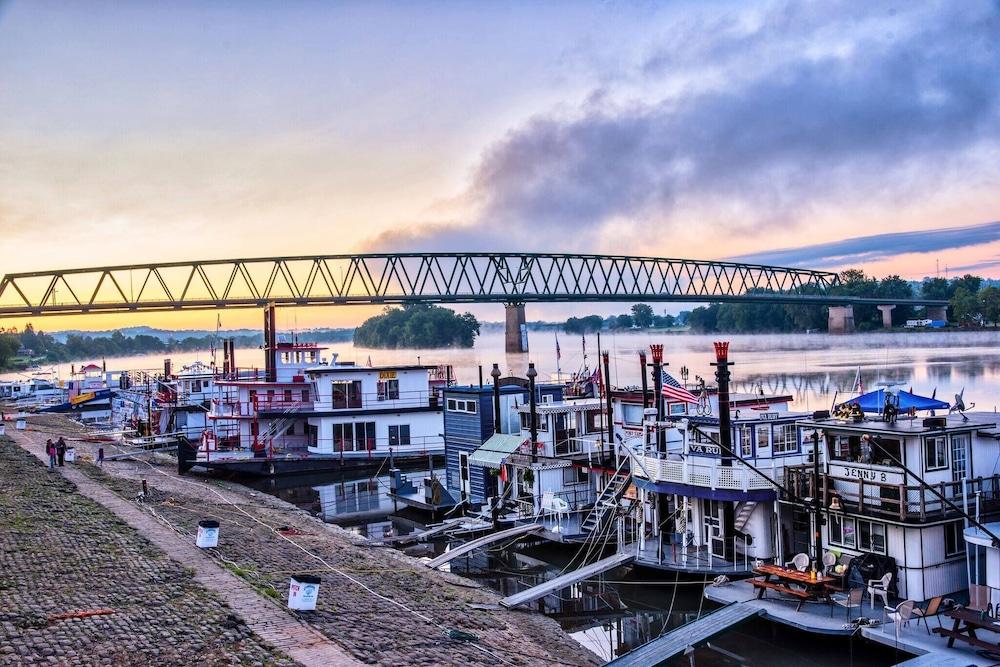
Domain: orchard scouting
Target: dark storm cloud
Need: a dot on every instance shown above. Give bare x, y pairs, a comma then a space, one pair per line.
864, 249
882, 107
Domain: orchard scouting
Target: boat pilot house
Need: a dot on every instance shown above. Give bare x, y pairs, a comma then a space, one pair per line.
896, 488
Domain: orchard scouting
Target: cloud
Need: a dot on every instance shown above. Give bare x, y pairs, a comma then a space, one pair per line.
864, 249
778, 113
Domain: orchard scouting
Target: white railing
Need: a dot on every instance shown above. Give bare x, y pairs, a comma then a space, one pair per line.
701, 472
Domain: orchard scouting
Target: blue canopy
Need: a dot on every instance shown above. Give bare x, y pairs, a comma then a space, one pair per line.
874, 401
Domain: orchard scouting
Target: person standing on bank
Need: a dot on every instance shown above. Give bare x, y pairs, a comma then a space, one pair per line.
50, 449
61, 451
100, 456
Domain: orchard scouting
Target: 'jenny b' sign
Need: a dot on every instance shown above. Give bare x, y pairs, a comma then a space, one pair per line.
863, 473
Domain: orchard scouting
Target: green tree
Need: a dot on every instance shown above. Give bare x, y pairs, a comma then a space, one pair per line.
624, 321
418, 325
642, 315
703, 318
989, 304
583, 325
936, 288
965, 306
9, 345
893, 287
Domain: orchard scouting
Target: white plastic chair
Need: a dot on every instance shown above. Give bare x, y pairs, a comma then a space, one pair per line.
900, 615
829, 562
880, 587
800, 562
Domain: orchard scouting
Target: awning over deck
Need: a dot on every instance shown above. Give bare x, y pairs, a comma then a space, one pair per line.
495, 451
874, 401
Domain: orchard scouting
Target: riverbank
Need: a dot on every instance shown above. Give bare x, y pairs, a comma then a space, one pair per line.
380, 606
79, 586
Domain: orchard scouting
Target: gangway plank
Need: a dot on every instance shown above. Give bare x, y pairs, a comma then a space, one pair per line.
568, 579
471, 545
665, 647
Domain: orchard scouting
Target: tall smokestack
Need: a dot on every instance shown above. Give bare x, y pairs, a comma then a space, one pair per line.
722, 375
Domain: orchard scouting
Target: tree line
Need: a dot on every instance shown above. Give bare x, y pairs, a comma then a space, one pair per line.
641, 316
971, 304
19, 348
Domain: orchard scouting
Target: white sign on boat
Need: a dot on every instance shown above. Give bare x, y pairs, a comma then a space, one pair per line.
874, 474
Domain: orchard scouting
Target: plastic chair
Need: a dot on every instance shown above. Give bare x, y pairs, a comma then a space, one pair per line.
979, 598
800, 562
829, 562
854, 598
933, 608
900, 615
880, 587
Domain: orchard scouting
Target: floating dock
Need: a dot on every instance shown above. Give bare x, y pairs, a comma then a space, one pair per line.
568, 579
690, 635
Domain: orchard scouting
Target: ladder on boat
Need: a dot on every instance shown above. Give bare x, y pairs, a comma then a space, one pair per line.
668, 645
607, 500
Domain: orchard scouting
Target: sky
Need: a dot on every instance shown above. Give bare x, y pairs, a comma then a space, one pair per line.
818, 134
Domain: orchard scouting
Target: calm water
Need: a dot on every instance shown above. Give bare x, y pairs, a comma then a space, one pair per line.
615, 615
812, 368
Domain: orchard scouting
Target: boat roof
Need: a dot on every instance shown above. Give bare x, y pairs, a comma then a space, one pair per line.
564, 406
496, 450
352, 368
985, 422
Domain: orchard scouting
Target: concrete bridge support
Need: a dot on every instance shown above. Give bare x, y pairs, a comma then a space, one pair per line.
517, 329
937, 313
841, 319
886, 315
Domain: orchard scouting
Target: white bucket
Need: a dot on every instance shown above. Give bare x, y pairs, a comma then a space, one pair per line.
3, 429
303, 592
70, 455
208, 534
20, 424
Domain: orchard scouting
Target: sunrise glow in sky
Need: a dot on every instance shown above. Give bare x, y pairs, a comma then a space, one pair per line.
824, 134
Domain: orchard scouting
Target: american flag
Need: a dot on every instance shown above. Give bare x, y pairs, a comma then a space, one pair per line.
675, 391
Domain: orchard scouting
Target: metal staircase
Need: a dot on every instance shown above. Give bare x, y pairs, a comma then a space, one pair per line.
743, 513
607, 500
277, 427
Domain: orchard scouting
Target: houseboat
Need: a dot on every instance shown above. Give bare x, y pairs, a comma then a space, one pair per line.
89, 395
302, 413
897, 486
707, 484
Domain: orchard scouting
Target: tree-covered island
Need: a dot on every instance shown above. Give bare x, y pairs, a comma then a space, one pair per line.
418, 326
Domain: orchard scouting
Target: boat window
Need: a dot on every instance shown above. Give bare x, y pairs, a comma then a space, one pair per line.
399, 435
632, 413
593, 419
347, 394
936, 453
954, 541
677, 408
785, 438
763, 438
388, 390
746, 441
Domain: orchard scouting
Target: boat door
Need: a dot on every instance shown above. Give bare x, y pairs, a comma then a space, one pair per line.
712, 526
463, 474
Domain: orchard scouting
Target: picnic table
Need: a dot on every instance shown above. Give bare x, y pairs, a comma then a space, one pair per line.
967, 632
792, 582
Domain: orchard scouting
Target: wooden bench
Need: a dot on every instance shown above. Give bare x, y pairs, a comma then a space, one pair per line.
758, 583
975, 641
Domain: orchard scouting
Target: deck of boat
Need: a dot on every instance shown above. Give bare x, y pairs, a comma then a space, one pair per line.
815, 617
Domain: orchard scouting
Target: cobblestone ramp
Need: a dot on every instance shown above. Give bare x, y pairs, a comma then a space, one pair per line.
380, 606
61, 553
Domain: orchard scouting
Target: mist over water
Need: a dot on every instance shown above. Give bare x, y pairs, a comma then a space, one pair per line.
812, 368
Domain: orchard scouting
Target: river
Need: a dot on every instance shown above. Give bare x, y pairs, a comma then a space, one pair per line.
812, 368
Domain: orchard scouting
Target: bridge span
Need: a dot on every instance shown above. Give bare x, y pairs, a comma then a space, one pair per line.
398, 278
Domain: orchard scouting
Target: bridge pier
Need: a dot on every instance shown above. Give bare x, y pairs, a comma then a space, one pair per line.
937, 313
841, 319
886, 315
516, 338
